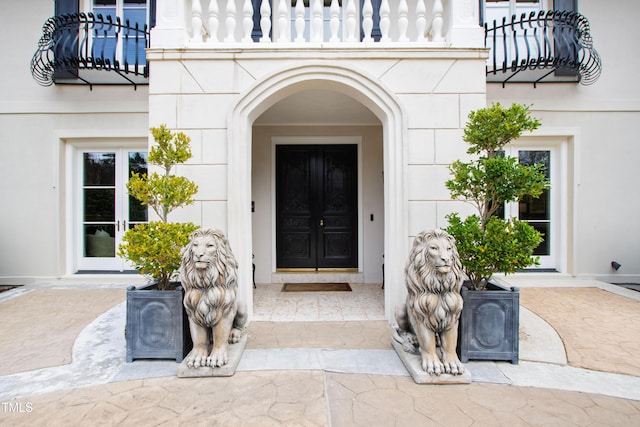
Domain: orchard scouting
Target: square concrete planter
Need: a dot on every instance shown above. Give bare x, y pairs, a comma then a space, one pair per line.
489, 324
157, 325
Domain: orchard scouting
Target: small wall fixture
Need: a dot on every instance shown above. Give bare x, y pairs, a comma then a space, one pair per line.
616, 266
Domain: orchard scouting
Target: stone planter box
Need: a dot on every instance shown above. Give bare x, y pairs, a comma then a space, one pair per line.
489, 324
157, 326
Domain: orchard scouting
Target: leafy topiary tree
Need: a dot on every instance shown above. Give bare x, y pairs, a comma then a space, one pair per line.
154, 248
485, 242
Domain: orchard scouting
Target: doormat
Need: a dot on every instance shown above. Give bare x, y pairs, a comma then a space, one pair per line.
316, 287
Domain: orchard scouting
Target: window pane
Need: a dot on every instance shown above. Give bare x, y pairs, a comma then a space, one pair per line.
537, 212
99, 204
138, 164
133, 42
531, 209
99, 169
99, 240
530, 157
544, 247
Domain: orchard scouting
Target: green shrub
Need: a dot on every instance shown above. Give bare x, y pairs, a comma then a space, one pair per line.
486, 243
155, 248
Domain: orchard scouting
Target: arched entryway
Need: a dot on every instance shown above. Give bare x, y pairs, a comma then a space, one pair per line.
345, 82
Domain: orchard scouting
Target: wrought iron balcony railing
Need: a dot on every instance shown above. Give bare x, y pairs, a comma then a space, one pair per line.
553, 46
91, 49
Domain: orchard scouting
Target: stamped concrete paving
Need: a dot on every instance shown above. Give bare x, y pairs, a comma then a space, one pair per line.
315, 398
39, 327
345, 335
579, 315
323, 396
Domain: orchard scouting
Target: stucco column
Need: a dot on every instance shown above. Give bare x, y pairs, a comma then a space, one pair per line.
170, 30
465, 28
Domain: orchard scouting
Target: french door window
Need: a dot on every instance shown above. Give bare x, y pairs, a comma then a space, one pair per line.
105, 210
542, 213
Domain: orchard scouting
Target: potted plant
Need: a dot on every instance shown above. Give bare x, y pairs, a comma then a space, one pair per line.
157, 326
488, 243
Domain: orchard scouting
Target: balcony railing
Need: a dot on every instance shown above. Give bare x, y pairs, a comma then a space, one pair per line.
91, 49
553, 46
315, 21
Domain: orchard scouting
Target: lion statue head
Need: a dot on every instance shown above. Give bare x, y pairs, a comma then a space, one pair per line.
433, 263
207, 260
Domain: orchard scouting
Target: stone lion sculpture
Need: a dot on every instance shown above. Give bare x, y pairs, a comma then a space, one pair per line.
209, 276
428, 323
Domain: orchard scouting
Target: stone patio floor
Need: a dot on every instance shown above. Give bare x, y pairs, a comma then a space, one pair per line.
62, 351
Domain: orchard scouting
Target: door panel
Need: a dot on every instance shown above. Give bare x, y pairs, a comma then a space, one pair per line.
542, 212
316, 206
337, 211
296, 235
106, 211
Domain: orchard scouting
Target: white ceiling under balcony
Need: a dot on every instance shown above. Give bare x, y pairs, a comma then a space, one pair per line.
318, 107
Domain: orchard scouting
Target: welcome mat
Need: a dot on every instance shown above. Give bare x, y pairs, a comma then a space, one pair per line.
316, 287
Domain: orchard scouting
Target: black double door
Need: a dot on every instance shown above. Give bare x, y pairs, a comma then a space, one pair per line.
316, 206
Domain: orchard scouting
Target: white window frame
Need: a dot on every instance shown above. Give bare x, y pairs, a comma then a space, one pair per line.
556, 260
75, 151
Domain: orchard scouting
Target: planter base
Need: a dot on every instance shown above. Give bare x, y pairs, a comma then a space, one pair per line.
489, 324
414, 366
235, 354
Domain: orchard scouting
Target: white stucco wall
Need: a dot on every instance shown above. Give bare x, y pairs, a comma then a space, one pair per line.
600, 124
36, 125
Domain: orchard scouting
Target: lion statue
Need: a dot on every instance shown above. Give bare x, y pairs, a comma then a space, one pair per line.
428, 323
208, 273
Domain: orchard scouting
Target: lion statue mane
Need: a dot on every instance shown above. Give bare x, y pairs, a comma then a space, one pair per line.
427, 324
208, 272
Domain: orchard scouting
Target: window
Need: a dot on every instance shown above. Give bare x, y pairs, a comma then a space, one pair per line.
104, 209
105, 38
497, 9
542, 213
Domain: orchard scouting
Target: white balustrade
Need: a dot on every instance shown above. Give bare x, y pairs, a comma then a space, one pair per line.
385, 21
214, 21
265, 21
334, 21
403, 21
247, 21
231, 21
300, 9
283, 21
421, 21
316, 20
437, 22
196, 21
323, 22
351, 19
367, 20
